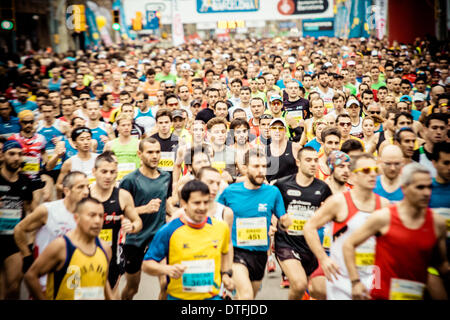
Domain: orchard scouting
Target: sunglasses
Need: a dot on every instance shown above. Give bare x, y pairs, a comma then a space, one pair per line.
375, 112
82, 99
367, 170
140, 101
345, 124
275, 103
266, 116
277, 128
172, 104
27, 121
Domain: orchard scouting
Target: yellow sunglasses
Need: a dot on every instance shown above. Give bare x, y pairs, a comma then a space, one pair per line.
367, 170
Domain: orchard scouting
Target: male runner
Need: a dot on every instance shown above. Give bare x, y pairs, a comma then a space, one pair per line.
253, 204
50, 220
302, 195
195, 268
149, 187
388, 183
347, 211
77, 263
16, 200
120, 214
407, 233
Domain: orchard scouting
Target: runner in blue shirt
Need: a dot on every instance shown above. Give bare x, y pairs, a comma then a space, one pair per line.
253, 203
8, 123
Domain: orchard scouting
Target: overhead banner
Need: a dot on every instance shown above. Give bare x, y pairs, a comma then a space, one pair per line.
318, 28
381, 8
212, 6
195, 11
354, 18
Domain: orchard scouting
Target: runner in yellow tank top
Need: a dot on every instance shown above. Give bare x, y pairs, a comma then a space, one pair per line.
76, 264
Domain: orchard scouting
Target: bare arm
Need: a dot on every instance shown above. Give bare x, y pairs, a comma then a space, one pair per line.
109, 295
51, 259
31, 223
155, 268
65, 169
326, 213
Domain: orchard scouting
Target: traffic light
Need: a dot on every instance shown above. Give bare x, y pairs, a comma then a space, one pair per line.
116, 19
137, 21
7, 15
79, 18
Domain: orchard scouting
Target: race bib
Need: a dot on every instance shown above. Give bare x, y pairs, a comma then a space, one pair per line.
329, 105
89, 293
199, 276
91, 179
406, 290
297, 115
167, 161
299, 219
219, 165
445, 212
106, 235
124, 169
251, 232
31, 165
9, 218
365, 253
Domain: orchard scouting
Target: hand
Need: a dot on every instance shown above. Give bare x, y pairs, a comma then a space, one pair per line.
360, 292
127, 225
227, 177
286, 220
228, 282
175, 271
60, 150
55, 140
330, 268
104, 138
153, 205
272, 230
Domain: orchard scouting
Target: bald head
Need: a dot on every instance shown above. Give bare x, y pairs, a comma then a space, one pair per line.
391, 160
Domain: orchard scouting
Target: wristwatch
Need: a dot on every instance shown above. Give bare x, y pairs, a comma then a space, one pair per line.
355, 281
229, 273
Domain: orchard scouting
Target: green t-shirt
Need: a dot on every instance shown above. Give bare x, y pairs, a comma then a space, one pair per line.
161, 77
377, 85
144, 189
351, 87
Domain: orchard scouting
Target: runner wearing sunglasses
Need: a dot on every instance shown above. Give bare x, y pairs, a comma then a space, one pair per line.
347, 211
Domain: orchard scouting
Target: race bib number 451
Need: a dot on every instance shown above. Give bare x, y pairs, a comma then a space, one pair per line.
251, 231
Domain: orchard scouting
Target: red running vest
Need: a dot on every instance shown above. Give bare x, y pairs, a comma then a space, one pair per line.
403, 253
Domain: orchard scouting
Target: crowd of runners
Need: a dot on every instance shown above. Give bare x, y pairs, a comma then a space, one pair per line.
212, 164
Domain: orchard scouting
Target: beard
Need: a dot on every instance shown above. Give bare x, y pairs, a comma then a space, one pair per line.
13, 167
253, 180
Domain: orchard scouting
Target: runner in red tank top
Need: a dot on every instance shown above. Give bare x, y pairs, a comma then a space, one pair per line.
407, 233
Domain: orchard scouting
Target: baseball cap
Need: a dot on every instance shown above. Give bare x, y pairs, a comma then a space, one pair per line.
194, 102
25, 113
121, 64
276, 97
405, 98
177, 113
291, 60
374, 53
185, 66
418, 96
327, 64
170, 82
278, 120
226, 56
146, 61
101, 56
352, 101
351, 63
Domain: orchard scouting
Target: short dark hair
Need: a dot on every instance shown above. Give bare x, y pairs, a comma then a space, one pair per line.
352, 145
404, 114
330, 132
436, 116
162, 113
354, 160
300, 152
366, 92
193, 186
148, 140
438, 148
398, 133
108, 156
83, 201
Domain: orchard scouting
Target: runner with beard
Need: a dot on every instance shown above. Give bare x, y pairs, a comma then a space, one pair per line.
302, 195
253, 204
